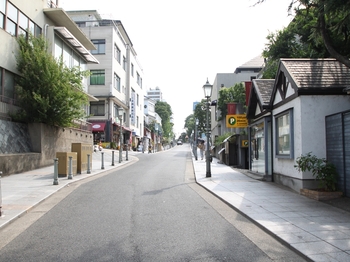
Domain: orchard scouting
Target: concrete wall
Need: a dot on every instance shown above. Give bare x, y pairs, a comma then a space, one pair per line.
44, 142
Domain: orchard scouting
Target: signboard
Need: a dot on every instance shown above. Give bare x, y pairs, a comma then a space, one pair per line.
244, 143
236, 121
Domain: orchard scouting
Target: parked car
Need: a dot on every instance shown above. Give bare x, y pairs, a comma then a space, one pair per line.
179, 142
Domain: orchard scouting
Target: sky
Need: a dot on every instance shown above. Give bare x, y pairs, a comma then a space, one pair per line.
180, 44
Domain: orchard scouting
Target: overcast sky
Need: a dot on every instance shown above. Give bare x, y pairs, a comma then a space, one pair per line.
182, 43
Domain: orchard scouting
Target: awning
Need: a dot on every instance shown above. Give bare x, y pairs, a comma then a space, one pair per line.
124, 127
98, 127
221, 150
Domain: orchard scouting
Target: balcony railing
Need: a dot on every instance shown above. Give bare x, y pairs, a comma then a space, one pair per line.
52, 4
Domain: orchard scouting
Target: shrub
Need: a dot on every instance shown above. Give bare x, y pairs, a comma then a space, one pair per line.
323, 171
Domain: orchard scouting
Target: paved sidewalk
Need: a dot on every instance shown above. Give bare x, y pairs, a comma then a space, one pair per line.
317, 230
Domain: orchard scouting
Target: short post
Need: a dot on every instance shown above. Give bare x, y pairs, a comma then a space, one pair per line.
112, 158
70, 168
88, 163
55, 171
102, 164
126, 154
0, 195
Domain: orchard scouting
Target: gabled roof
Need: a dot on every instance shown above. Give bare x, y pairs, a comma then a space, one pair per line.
316, 74
260, 95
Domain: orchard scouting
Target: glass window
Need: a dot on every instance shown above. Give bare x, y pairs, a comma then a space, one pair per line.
100, 45
97, 77
12, 12
117, 53
124, 63
2, 20
23, 21
11, 27
37, 31
2, 6
97, 108
116, 82
9, 85
31, 27
132, 69
67, 55
284, 134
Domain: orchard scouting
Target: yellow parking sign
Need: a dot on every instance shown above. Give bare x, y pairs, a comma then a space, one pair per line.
236, 121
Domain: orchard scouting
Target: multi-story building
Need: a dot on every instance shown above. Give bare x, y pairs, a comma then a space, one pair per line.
39, 17
155, 94
116, 81
243, 73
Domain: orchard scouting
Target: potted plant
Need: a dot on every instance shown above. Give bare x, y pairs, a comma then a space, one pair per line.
324, 172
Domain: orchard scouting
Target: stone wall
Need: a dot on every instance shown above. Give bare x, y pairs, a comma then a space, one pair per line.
41, 144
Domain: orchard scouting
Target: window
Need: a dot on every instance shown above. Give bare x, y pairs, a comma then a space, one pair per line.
132, 69
97, 108
97, 77
116, 82
100, 45
284, 135
124, 63
117, 53
16, 22
137, 99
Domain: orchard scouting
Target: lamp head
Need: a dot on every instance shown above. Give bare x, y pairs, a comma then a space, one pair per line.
207, 89
120, 113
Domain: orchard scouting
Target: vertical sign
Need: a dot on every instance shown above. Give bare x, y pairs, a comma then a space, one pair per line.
132, 107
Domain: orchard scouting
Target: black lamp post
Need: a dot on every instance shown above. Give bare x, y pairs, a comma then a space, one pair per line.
207, 93
120, 113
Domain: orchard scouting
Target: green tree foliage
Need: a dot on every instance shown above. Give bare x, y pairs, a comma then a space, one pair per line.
200, 114
190, 124
324, 24
48, 91
163, 109
232, 94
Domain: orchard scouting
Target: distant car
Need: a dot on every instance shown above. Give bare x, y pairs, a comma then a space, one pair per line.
179, 142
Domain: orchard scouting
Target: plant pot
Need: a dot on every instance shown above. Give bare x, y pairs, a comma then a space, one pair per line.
319, 194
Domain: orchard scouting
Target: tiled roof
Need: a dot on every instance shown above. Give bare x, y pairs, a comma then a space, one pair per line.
264, 89
317, 73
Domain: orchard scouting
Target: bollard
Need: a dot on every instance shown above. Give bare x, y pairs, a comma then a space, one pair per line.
102, 164
112, 158
0, 195
127, 149
70, 175
88, 163
55, 171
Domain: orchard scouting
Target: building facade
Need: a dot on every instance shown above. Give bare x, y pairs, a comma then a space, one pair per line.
117, 81
155, 94
38, 18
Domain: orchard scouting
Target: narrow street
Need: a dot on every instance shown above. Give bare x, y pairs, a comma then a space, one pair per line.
148, 211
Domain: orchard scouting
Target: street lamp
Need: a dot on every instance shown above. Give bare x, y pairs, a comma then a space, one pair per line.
207, 93
120, 113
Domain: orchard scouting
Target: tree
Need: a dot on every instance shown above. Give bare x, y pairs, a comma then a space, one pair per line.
200, 114
48, 91
329, 24
232, 94
163, 109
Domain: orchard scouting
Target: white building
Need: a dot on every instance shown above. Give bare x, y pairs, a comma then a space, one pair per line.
39, 17
117, 81
155, 94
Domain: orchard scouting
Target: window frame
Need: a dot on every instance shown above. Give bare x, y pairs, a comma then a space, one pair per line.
278, 153
100, 45
116, 81
100, 105
117, 53
95, 73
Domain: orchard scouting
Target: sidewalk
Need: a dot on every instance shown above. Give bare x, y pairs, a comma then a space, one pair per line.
317, 230
21, 192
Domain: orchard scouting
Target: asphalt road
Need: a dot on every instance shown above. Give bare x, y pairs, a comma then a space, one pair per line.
148, 211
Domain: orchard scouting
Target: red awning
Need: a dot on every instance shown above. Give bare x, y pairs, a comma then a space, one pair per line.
98, 127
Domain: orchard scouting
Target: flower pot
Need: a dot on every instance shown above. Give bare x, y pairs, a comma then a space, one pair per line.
318, 194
